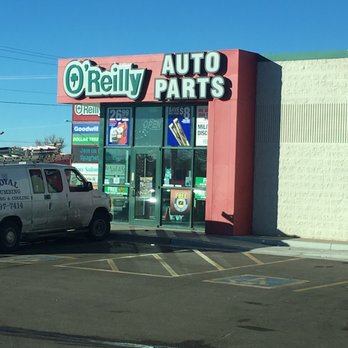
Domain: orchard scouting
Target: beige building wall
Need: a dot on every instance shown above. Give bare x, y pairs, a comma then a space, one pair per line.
301, 150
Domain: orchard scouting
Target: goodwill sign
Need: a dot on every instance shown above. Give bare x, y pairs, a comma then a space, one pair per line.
183, 76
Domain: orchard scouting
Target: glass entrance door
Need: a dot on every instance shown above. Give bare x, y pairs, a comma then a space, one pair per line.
145, 187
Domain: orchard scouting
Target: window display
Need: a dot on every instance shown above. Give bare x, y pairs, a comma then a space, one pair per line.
179, 126
118, 126
116, 166
116, 182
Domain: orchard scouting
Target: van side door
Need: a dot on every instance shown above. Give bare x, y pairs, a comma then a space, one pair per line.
57, 200
80, 204
39, 206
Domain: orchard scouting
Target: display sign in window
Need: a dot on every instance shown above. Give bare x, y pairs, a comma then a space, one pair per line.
118, 126
116, 166
200, 182
116, 190
179, 126
202, 126
180, 202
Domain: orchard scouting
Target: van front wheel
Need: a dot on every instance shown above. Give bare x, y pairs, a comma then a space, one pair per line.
99, 228
9, 236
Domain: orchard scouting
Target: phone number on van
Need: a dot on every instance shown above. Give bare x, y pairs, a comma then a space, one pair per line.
4, 206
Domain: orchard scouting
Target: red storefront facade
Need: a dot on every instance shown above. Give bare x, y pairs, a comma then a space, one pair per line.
224, 82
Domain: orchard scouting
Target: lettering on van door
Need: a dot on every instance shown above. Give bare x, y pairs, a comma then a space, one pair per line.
11, 197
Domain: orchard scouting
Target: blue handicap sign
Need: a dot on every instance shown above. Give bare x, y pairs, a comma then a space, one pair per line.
259, 281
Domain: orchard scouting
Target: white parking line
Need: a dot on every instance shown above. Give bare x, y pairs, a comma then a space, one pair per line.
253, 258
165, 265
112, 265
209, 260
322, 286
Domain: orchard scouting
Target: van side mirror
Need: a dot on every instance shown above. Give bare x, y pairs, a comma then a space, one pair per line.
89, 186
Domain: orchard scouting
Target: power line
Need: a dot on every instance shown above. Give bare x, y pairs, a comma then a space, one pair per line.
25, 91
17, 142
25, 103
50, 125
19, 51
28, 52
27, 60
28, 77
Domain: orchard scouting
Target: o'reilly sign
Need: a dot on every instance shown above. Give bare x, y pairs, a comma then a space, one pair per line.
85, 79
183, 76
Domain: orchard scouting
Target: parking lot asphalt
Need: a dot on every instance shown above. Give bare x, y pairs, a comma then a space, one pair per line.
119, 293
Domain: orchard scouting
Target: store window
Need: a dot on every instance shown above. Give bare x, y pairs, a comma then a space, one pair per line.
177, 175
177, 167
184, 166
145, 185
148, 126
116, 182
199, 191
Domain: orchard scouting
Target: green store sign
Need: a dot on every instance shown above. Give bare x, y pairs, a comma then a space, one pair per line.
85, 139
89, 80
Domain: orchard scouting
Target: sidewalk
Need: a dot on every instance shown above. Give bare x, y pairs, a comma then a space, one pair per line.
281, 246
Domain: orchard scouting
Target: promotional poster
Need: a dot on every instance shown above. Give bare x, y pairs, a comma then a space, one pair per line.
118, 126
179, 126
180, 202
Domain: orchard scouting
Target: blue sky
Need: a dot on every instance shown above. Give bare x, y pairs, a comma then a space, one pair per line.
35, 33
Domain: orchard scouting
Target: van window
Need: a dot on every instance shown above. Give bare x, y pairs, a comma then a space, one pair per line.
75, 181
37, 181
54, 180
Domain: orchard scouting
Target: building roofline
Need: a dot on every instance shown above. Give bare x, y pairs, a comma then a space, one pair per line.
304, 55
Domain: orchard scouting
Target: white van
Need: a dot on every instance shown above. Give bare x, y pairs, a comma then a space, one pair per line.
40, 198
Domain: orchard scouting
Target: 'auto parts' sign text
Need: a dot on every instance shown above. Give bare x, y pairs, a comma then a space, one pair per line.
191, 76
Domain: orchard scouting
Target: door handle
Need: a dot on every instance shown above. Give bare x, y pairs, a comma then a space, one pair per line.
47, 196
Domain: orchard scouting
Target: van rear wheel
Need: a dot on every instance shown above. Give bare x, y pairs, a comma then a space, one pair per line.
99, 228
9, 236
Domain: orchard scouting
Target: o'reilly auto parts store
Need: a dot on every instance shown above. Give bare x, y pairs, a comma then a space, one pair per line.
226, 142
